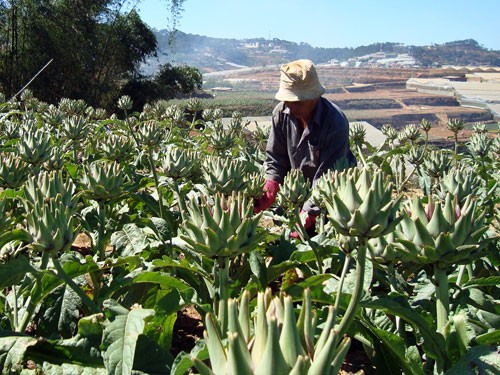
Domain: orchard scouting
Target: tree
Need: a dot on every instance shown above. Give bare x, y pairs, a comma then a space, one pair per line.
94, 46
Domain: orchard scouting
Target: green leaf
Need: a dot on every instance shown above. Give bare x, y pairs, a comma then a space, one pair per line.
483, 359
12, 352
120, 339
396, 346
483, 281
434, 344
489, 338
12, 272
132, 240
73, 369
258, 267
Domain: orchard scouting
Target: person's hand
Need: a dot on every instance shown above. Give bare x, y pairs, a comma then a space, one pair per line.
270, 190
308, 222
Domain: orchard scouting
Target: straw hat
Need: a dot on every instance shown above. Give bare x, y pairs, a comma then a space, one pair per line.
299, 81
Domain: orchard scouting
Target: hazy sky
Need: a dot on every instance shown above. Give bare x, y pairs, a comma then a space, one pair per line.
336, 23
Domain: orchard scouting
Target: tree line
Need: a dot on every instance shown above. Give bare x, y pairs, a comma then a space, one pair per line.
84, 49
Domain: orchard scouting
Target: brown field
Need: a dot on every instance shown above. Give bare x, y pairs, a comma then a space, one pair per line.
379, 96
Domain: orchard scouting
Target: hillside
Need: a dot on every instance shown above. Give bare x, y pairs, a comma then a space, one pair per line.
217, 54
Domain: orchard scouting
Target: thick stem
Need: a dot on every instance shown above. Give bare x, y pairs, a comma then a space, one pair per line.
222, 291
358, 290
101, 242
442, 298
157, 182
347, 261
88, 304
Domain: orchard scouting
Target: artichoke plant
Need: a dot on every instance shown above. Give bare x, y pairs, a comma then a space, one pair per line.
13, 171
116, 148
223, 175
220, 231
294, 190
34, 147
441, 233
440, 237
279, 342
360, 203
460, 182
103, 181
50, 205
410, 133
224, 228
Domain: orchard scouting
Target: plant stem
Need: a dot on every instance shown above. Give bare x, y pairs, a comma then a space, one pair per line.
442, 298
305, 237
221, 274
88, 304
358, 290
157, 182
347, 260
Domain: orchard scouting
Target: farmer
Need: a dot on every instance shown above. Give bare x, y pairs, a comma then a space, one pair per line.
308, 132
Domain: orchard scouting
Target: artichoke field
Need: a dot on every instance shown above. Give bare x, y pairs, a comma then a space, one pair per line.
404, 261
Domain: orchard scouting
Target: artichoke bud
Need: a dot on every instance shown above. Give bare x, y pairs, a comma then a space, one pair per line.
13, 171
357, 134
34, 147
437, 163
125, 103
362, 204
149, 133
479, 144
177, 163
223, 175
295, 189
49, 208
116, 147
275, 345
225, 228
447, 233
103, 180
75, 127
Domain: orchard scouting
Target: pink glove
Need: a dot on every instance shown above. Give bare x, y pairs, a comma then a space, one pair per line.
270, 190
309, 221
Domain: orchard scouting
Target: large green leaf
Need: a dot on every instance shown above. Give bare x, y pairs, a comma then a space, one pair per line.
132, 240
59, 313
434, 344
73, 369
120, 338
396, 346
13, 271
12, 352
483, 359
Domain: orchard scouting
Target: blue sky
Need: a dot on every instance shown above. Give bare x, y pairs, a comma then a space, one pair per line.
336, 23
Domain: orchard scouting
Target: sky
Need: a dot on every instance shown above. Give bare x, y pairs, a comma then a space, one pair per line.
335, 23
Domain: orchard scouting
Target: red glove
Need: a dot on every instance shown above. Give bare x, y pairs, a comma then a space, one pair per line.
309, 221
270, 190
